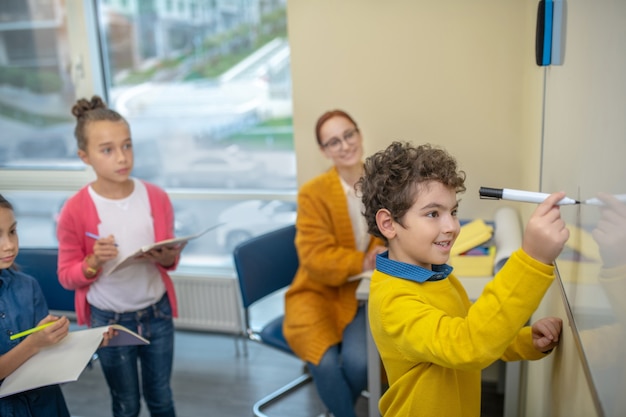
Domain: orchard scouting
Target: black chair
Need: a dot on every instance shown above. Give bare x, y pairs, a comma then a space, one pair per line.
266, 264
41, 263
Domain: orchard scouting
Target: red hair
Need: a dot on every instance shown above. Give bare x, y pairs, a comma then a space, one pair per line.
329, 115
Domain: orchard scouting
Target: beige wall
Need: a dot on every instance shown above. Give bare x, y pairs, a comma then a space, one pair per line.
458, 74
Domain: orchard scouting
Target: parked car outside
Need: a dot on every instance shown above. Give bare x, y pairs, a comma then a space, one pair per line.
252, 218
148, 161
53, 141
220, 168
45, 148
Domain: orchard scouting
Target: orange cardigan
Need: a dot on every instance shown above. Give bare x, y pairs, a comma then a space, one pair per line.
321, 302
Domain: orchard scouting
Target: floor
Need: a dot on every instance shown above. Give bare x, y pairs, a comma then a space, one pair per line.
211, 380
213, 377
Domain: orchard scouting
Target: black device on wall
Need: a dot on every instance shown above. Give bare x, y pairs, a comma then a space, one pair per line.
549, 38
543, 39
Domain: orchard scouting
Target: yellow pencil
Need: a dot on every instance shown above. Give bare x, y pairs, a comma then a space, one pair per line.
29, 331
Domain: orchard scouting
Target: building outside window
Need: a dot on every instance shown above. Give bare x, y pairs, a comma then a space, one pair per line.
205, 86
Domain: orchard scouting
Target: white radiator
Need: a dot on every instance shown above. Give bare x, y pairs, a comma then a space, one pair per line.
209, 304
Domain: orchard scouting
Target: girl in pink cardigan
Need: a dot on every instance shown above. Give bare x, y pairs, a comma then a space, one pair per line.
102, 223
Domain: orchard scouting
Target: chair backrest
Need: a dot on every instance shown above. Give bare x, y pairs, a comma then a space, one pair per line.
41, 263
266, 263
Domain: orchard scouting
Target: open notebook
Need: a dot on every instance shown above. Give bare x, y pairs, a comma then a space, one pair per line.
137, 256
65, 361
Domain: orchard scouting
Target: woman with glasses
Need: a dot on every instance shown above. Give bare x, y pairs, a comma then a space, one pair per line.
324, 323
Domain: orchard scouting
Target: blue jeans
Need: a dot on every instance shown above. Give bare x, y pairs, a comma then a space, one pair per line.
342, 373
120, 363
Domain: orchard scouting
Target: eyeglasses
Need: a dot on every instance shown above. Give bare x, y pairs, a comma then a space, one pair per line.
334, 143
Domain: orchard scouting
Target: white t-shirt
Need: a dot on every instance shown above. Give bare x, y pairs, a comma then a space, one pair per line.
130, 222
359, 224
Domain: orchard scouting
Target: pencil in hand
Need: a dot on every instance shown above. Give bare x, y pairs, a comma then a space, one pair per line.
31, 331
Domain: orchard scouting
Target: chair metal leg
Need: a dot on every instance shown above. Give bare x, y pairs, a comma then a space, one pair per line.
279, 393
243, 340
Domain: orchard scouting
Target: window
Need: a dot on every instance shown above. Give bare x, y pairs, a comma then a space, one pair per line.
36, 91
207, 96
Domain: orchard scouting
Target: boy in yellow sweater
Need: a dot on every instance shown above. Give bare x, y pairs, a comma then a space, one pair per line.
433, 342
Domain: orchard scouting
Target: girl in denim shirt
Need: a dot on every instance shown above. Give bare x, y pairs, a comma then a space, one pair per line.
23, 306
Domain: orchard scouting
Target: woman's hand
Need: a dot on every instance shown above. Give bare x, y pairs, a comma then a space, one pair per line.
369, 262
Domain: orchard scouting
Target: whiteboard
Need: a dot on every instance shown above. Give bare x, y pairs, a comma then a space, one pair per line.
584, 152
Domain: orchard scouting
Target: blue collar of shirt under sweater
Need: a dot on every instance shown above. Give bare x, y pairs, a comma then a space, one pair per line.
411, 272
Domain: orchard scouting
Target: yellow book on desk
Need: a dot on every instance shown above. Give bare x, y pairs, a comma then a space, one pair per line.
472, 234
474, 265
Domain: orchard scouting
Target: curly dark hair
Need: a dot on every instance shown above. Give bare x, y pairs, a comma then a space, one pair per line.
94, 110
391, 177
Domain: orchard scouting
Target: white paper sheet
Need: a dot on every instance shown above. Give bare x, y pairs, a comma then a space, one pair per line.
65, 361
137, 256
507, 235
